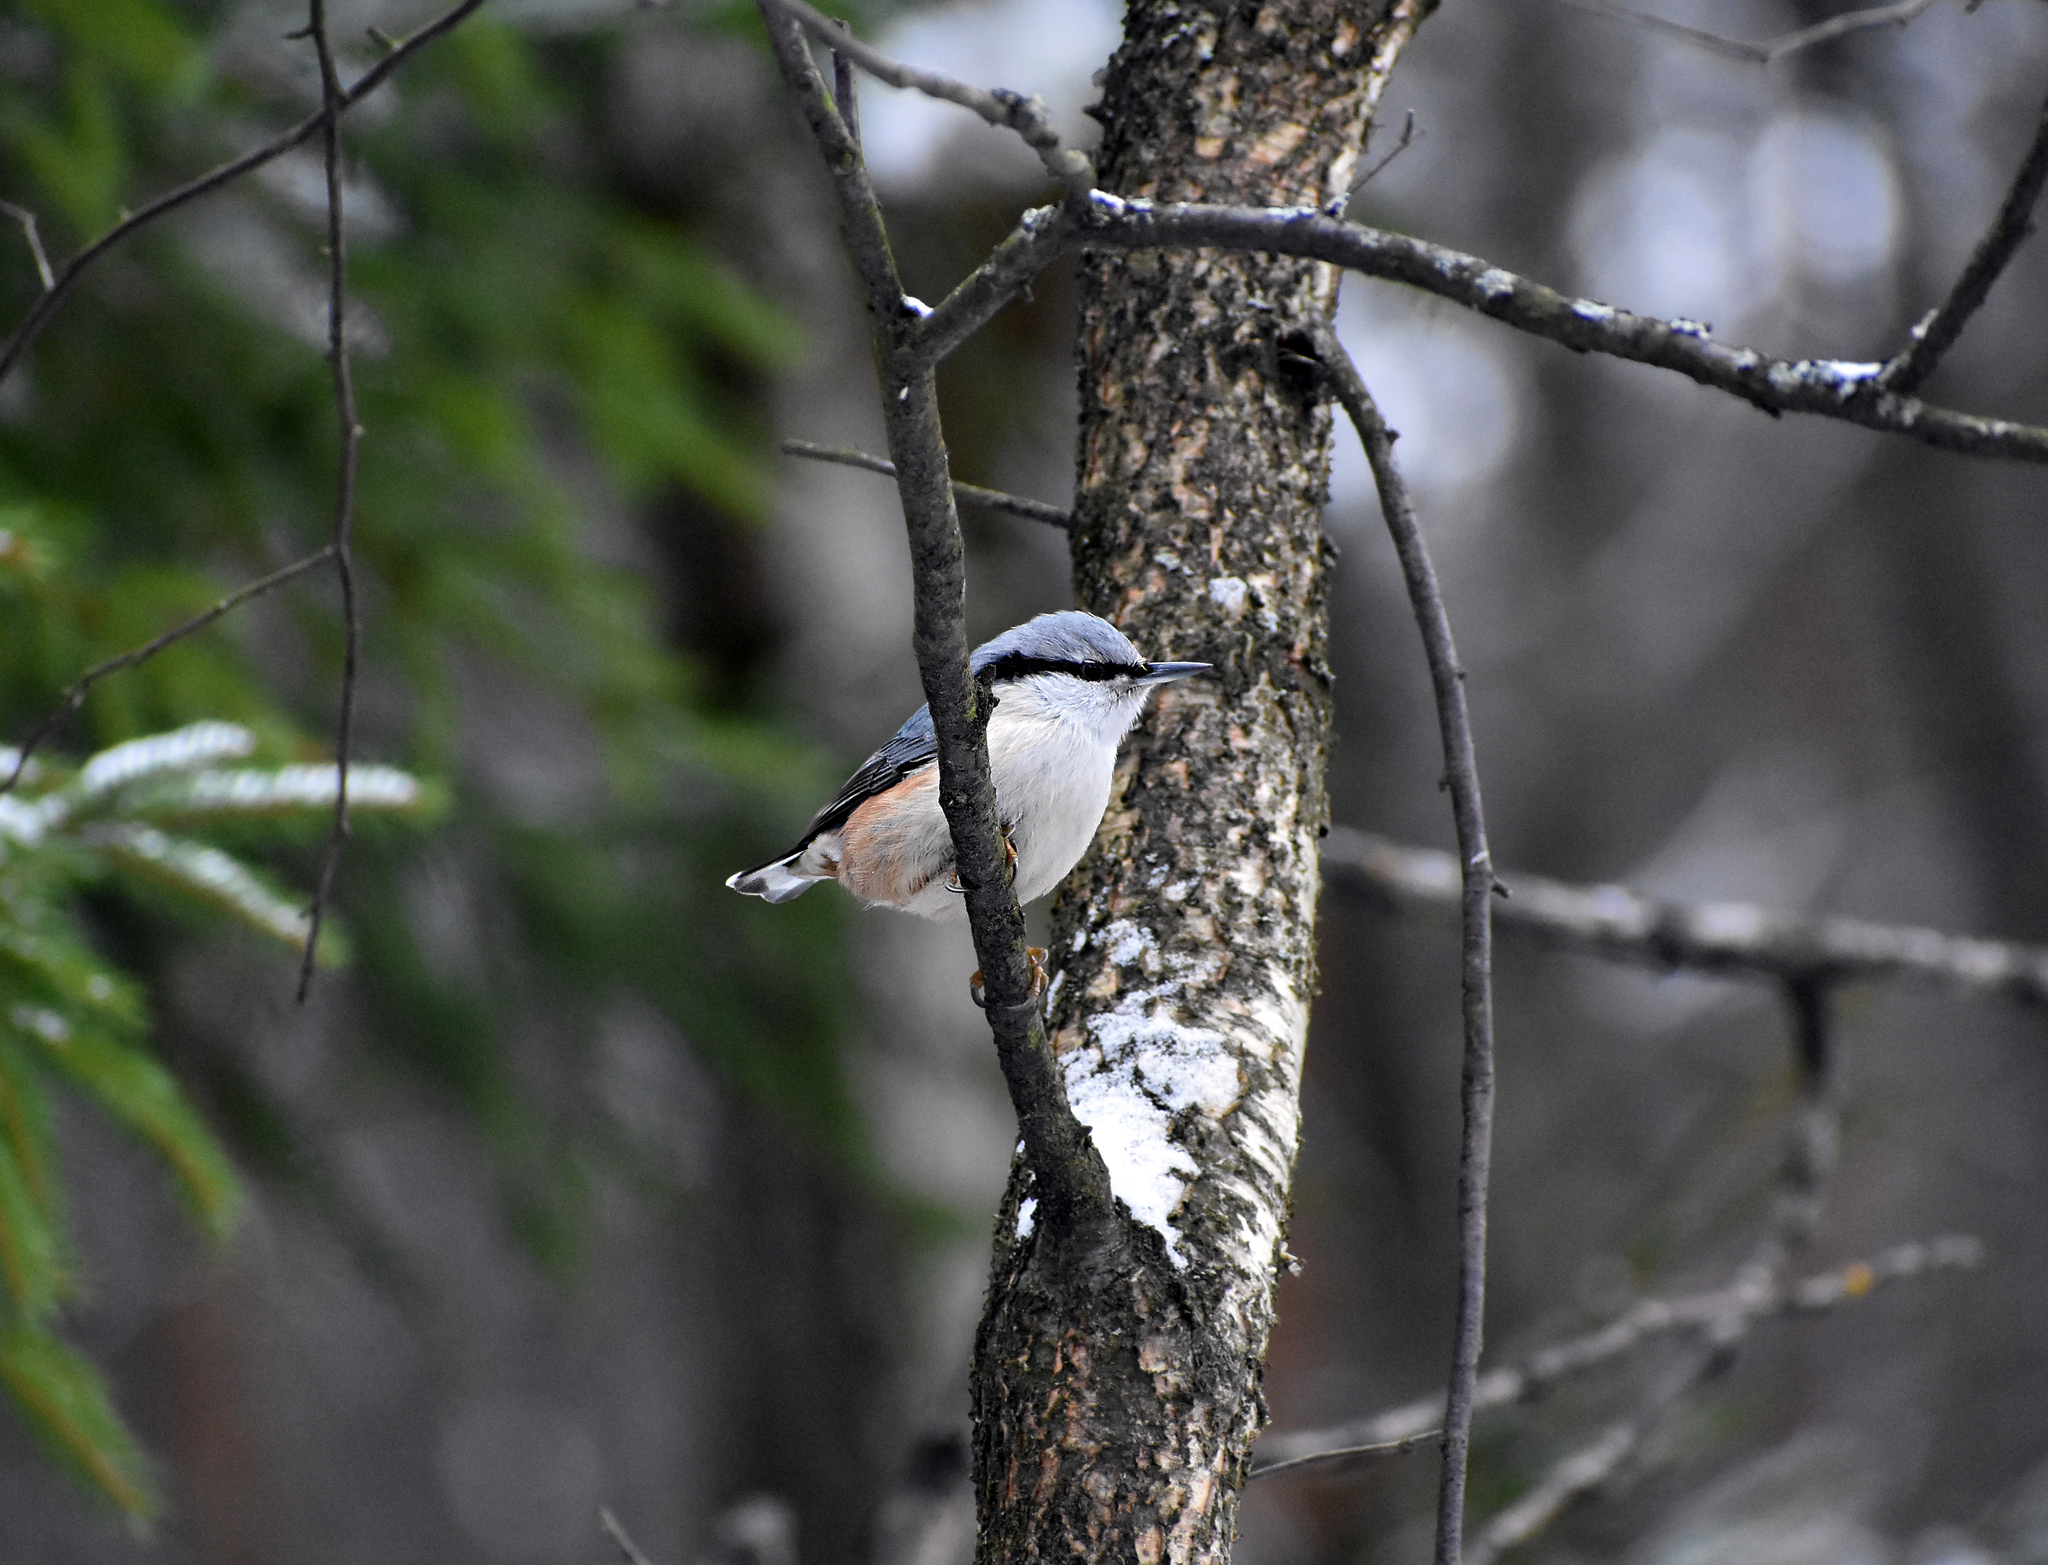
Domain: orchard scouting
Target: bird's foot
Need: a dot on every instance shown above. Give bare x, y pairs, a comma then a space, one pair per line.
953, 883
1036, 956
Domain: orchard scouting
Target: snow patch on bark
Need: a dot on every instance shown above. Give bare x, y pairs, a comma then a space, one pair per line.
1149, 1068
1146, 1069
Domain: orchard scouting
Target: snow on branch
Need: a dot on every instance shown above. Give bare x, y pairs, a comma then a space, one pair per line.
1830, 388
1855, 393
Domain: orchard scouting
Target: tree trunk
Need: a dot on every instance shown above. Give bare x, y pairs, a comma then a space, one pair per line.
1117, 1375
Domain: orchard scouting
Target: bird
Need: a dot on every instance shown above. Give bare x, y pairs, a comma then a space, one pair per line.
1068, 686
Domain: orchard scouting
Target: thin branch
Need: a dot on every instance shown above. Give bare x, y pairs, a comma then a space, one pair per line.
1348, 1453
1041, 237
1583, 1470
351, 433
968, 494
1901, 14
27, 219
866, 239
75, 695
1408, 139
846, 88
1730, 938
58, 288
628, 1550
1070, 1179
1712, 1313
1934, 336
1812, 1140
1461, 775
1001, 108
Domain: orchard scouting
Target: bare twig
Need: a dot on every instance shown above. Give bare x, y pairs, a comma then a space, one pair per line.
628, 1550
1461, 774
227, 173
1725, 1319
1408, 138
351, 434
1811, 1140
1712, 1314
1348, 1453
1901, 14
967, 494
1001, 108
1713, 937
1071, 1180
27, 219
2015, 221
846, 89
1041, 237
1584, 1469
75, 696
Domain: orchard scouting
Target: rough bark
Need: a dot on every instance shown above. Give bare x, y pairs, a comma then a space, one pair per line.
1117, 1374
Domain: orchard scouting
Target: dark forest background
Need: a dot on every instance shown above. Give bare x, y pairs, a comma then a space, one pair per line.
589, 1183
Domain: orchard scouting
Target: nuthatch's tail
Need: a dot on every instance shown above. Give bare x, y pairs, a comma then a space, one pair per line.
779, 880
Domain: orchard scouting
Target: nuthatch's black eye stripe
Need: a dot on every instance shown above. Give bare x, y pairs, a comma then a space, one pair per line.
1016, 665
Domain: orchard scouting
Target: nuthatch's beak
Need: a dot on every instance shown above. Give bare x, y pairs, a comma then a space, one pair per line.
1163, 673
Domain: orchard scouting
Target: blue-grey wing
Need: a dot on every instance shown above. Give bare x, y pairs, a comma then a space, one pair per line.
914, 747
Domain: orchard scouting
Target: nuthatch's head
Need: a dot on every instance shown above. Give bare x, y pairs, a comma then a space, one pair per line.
1067, 688
1080, 666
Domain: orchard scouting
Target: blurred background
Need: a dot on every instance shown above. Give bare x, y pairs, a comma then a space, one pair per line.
592, 1184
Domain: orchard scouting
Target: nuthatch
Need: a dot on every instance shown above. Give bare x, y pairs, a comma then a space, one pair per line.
1068, 687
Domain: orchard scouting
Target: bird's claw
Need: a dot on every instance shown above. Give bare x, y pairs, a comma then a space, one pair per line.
1009, 863
1036, 956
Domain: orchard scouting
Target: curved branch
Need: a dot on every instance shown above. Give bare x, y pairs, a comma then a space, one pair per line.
1901, 13
72, 698
1461, 775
